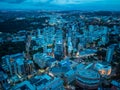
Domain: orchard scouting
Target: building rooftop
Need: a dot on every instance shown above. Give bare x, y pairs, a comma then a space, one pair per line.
20, 61
115, 83
38, 80
89, 73
25, 85
3, 76
87, 52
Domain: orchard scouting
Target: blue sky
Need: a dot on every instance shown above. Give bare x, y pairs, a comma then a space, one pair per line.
61, 4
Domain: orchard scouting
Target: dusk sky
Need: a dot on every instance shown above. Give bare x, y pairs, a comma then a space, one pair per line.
61, 4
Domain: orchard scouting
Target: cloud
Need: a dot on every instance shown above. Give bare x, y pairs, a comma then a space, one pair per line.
37, 1
60, 4
56, 2
12, 1
73, 1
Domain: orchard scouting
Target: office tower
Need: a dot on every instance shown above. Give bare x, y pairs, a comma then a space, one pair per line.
20, 66
105, 39
110, 52
69, 76
14, 64
38, 32
65, 49
105, 30
7, 63
59, 45
59, 50
80, 47
91, 28
45, 48
40, 59
28, 44
3, 81
29, 67
73, 28
70, 46
48, 35
74, 39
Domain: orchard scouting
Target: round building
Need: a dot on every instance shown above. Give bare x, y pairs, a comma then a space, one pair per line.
88, 78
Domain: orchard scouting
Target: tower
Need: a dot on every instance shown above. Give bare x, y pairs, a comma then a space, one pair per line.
38, 32
28, 44
70, 46
59, 50
109, 54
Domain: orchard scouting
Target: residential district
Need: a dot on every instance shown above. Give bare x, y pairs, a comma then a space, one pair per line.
72, 51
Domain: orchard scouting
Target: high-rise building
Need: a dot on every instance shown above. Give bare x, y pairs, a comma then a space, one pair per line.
69, 76
38, 32
29, 67
14, 64
3, 81
59, 50
110, 52
40, 59
70, 46
20, 66
28, 44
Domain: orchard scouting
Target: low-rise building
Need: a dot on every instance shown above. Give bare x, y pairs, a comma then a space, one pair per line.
25, 85
87, 79
46, 82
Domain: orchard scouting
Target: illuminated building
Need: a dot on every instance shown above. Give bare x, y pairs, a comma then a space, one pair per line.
20, 66
91, 28
25, 85
48, 35
69, 76
116, 84
40, 59
110, 52
87, 79
43, 60
39, 32
80, 47
62, 67
29, 66
103, 68
16, 65
40, 41
3, 81
13, 63
87, 52
46, 82
70, 47
51, 61
74, 39
59, 50
59, 45
28, 44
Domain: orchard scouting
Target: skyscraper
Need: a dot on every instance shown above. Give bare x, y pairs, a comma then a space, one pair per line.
39, 32
59, 50
109, 54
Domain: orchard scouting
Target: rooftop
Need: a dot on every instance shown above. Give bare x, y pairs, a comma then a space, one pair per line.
23, 85
87, 52
3, 76
88, 74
